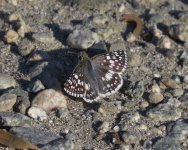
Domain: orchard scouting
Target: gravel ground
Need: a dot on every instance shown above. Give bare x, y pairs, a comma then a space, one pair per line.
37, 55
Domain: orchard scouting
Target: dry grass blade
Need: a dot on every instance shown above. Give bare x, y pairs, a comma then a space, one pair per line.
13, 141
133, 18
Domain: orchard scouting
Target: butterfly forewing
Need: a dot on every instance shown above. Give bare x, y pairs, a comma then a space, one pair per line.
116, 61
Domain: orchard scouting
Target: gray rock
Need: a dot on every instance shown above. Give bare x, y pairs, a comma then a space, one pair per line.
178, 92
130, 117
44, 140
14, 119
131, 138
49, 99
176, 132
37, 113
147, 145
25, 47
11, 36
179, 32
35, 86
184, 102
155, 98
18, 91
135, 89
166, 112
6, 81
82, 39
62, 112
7, 101
184, 59
166, 143
22, 102
43, 37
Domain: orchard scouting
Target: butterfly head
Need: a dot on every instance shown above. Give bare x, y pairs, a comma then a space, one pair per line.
84, 56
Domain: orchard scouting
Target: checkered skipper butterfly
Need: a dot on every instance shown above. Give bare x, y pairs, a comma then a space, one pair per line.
96, 77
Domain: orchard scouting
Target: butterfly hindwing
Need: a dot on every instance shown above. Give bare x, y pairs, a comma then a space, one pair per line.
114, 61
74, 85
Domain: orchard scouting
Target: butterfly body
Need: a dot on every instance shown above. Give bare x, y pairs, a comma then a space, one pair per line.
97, 77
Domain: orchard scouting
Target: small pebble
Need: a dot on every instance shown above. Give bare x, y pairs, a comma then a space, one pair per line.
155, 88
11, 36
116, 128
162, 128
185, 79
164, 42
144, 104
37, 113
121, 8
104, 127
179, 32
177, 79
62, 112
131, 138
82, 39
178, 92
35, 86
131, 38
155, 98
156, 131
25, 47
135, 117
170, 83
100, 20
43, 37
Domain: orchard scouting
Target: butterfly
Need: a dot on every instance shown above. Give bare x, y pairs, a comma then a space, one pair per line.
97, 77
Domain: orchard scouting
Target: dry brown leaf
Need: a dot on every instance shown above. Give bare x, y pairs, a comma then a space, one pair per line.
13, 141
133, 18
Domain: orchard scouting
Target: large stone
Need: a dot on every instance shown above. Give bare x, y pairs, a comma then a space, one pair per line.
49, 99
7, 101
44, 140
166, 112
14, 119
6, 81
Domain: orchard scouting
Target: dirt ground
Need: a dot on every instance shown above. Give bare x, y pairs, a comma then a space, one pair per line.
127, 109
